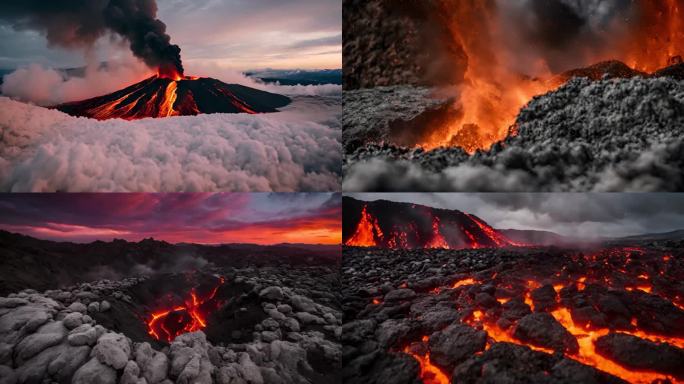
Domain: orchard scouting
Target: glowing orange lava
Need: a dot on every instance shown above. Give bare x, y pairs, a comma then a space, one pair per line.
496, 237
437, 240
429, 373
589, 356
166, 105
473, 242
166, 324
169, 71
366, 231
464, 282
496, 86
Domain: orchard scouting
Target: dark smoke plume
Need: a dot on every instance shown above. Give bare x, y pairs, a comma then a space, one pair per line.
79, 23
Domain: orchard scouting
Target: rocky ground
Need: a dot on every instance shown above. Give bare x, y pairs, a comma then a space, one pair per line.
519, 315
286, 326
606, 135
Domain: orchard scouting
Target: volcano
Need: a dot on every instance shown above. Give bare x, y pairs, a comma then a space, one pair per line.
163, 95
387, 224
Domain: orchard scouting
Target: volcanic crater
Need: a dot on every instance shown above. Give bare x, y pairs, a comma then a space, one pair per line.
261, 314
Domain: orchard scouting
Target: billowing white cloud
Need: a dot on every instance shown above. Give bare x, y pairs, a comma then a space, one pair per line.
298, 149
47, 86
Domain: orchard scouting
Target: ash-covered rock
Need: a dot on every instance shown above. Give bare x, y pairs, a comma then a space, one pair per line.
523, 314
388, 42
88, 333
608, 135
369, 113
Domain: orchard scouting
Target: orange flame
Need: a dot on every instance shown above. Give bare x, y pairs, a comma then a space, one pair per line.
437, 240
366, 231
493, 91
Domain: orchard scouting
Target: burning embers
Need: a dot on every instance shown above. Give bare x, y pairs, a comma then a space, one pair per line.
189, 316
509, 61
596, 318
403, 226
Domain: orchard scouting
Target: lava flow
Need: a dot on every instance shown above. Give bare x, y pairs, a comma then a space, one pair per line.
504, 73
404, 226
166, 324
429, 373
437, 240
596, 319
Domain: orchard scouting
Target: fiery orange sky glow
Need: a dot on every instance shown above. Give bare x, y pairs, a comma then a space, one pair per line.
176, 218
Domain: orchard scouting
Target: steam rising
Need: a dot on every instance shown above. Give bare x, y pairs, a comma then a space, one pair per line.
79, 23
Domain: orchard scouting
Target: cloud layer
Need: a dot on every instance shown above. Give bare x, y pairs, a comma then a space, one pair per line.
298, 149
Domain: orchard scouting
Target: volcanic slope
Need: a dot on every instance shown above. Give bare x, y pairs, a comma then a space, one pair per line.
161, 97
387, 224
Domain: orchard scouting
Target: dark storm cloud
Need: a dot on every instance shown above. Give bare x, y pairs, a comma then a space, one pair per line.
229, 33
80, 23
572, 214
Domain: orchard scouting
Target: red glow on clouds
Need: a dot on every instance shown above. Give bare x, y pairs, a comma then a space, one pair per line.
175, 218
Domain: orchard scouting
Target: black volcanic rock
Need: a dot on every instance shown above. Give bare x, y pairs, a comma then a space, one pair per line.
26, 262
544, 298
633, 352
162, 97
510, 363
455, 344
545, 331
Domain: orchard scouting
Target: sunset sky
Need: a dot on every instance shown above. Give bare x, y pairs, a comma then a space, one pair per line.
261, 218
236, 34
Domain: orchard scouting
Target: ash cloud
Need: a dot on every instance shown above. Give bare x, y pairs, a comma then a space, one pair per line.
566, 33
298, 149
79, 23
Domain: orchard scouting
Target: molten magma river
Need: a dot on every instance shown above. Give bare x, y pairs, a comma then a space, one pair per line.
495, 87
167, 323
368, 233
586, 335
